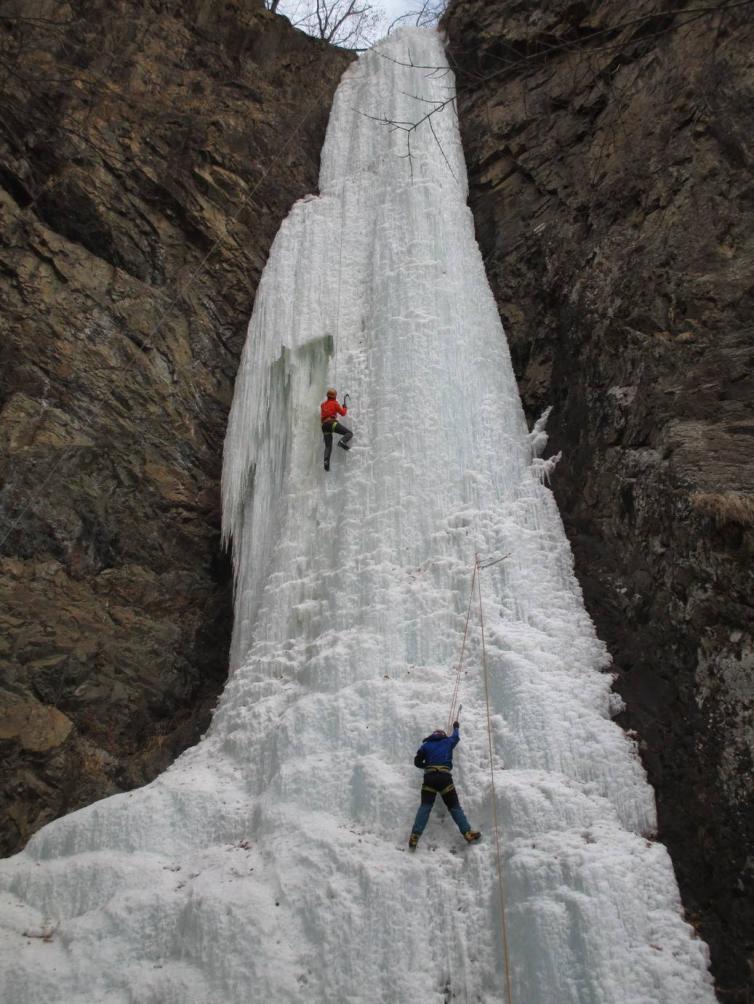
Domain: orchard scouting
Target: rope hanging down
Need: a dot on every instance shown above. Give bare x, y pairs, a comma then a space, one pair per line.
476, 580
454, 699
495, 825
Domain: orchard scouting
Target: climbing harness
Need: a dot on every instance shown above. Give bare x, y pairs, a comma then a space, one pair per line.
476, 580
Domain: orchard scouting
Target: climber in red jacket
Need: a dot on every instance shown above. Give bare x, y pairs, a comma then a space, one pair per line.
328, 412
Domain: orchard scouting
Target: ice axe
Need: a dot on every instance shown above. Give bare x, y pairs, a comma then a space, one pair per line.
345, 398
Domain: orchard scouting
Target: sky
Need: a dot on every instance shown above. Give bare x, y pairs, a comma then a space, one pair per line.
394, 8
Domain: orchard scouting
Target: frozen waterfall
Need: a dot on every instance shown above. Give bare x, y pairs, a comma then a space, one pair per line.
269, 863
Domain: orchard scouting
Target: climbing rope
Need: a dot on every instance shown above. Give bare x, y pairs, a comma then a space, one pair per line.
340, 259
476, 580
495, 823
456, 688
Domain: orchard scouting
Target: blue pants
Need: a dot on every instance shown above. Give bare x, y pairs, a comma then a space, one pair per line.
437, 782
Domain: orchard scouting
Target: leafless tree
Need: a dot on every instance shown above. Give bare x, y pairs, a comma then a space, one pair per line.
424, 15
350, 24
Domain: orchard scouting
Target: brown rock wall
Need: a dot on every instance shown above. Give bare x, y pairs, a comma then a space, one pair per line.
610, 162
148, 152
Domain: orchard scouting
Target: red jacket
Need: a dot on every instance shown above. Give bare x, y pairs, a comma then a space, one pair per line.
330, 409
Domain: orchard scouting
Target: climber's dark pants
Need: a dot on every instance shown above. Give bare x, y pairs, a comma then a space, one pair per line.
328, 428
438, 782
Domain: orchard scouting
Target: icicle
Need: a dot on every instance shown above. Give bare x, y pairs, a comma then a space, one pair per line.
538, 437
543, 469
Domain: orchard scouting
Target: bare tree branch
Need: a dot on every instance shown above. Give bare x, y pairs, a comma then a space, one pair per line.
425, 15
345, 23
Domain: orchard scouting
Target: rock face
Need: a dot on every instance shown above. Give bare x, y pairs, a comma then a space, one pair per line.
149, 151
610, 164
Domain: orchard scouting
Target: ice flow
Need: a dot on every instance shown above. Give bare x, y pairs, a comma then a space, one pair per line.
269, 862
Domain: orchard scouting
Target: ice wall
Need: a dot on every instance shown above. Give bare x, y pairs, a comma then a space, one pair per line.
270, 862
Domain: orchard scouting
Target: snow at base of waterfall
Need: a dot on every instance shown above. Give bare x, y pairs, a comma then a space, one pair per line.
270, 862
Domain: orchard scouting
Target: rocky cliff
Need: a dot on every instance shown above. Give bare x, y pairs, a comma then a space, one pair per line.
610, 160
148, 152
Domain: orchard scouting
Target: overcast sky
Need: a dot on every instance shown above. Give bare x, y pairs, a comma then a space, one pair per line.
391, 8
394, 8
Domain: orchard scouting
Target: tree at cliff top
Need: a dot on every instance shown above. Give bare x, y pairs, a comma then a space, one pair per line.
350, 24
346, 23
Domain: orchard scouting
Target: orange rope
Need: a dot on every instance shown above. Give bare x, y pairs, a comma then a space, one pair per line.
500, 883
476, 579
456, 688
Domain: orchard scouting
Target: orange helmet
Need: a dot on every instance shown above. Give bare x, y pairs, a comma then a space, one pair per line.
331, 392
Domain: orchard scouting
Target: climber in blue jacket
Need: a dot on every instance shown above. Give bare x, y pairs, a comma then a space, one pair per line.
435, 758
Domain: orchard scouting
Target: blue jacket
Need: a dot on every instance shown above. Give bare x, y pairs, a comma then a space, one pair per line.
437, 752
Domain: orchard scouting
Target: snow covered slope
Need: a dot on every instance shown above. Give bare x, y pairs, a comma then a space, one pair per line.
270, 863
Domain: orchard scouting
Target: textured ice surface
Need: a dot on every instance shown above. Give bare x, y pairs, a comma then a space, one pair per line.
269, 862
